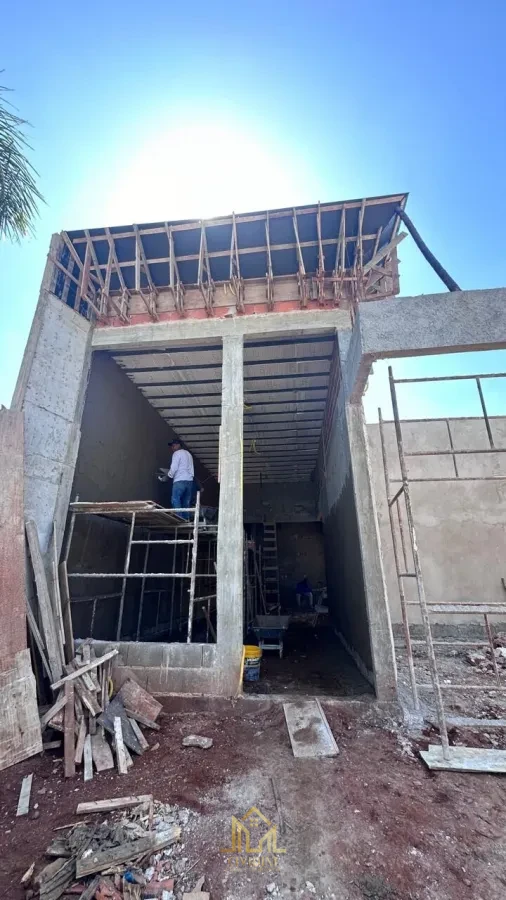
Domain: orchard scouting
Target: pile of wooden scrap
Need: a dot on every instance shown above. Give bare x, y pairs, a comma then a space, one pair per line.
87, 716
133, 855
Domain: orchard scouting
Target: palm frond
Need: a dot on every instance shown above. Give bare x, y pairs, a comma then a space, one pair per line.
19, 194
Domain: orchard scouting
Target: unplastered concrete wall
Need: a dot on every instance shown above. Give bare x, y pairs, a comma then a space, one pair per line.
124, 440
280, 502
460, 526
344, 569
300, 554
50, 391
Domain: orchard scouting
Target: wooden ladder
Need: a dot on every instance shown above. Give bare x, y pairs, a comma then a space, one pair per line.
270, 567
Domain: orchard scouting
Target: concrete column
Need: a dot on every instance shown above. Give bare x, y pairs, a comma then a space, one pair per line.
230, 524
378, 614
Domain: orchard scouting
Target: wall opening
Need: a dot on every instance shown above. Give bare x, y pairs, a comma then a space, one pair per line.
148, 582
295, 606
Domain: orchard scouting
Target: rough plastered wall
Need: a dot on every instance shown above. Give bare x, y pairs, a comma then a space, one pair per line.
461, 527
280, 502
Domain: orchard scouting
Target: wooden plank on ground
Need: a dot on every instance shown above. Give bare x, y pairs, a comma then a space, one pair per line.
102, 860
24, 795
91, 890
88, 759
141, 719
45, 607
465, 759
114, 709
138, 700
101, 752
309, 731
91, 665
119, 746
69, 748
138, 734
81, 737
93, 806
56, 877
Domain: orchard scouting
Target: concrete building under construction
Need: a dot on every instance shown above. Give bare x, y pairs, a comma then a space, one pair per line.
250, 337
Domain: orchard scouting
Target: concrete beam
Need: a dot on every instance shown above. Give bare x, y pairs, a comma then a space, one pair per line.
229, 564
163, 334
429, 324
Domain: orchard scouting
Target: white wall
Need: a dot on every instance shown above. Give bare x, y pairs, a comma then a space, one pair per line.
461, 526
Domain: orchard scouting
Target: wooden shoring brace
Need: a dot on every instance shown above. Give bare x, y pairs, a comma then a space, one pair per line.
320, 274
269, 277
98, 272
142, 263
121, 309
236, 282
340, 264
194, 567
176, 286
206, 285
301, 274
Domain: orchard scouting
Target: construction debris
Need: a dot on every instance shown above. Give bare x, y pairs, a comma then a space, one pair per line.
131, 855
24, 796
86, 716
197, 740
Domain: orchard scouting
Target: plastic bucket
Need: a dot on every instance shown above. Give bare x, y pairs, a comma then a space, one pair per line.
252, 659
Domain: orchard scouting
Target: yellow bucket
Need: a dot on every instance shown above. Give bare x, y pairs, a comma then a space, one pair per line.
252, 657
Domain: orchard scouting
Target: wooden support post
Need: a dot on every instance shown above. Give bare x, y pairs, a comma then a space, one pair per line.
69, 742
66, 611
229, 568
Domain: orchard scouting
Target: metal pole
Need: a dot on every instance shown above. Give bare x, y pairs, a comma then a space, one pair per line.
452, 448
422, 246
124, 583
485, 415
143, 584
418, 573
402, 596
194, 566
173, 584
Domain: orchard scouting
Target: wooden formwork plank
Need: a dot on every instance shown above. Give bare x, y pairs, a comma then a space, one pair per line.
45, 606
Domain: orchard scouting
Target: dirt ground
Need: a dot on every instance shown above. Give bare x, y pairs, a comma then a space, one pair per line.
314, 661
370, 824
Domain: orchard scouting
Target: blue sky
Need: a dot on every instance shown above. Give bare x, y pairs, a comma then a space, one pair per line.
143, 112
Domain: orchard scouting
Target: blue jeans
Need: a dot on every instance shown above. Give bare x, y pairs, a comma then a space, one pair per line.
181, 496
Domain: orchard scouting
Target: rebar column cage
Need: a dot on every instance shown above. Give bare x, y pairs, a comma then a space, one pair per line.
395, 495
154, 523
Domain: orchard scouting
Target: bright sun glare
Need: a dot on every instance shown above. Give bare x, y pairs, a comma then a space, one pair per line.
200, 171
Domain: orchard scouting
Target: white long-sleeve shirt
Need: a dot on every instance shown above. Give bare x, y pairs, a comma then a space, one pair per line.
181, 467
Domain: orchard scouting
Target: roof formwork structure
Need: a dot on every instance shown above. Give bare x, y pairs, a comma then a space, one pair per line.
331, 254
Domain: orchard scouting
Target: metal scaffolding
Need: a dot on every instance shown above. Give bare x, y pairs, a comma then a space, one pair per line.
149, 526
408, 565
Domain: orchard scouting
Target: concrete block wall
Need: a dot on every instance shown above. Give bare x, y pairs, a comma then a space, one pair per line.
461, 527
165, 668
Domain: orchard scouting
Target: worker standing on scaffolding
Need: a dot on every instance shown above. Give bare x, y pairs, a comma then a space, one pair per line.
182, 474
